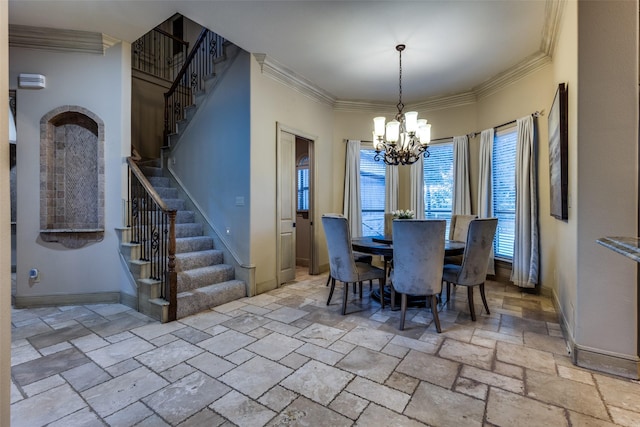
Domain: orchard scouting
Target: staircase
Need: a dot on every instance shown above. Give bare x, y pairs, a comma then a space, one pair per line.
204, 281
199, 273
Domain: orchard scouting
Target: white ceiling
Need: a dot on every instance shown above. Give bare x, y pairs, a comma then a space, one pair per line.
347, 48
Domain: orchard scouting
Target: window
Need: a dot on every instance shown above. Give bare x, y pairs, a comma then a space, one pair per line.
438, 183
302, 172
504, 191
372, 184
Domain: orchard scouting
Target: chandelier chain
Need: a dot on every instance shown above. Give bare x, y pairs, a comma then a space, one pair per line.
400, 105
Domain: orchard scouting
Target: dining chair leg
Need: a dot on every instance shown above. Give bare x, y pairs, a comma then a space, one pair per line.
393, 297
448, 291
328, 279
360, 285
484, 298
381, 283
403, 310
471, 305
434, 311
344, 301
333, 286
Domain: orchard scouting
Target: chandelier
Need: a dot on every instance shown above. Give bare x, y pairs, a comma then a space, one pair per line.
403, 140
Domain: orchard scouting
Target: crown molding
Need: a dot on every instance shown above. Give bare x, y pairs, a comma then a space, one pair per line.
498, 82
553, 16
59, 40
272, 68
430, 104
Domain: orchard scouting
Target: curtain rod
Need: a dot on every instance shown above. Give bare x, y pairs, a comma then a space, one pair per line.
534, 114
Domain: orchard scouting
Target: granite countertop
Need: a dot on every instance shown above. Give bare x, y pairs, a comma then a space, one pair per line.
627, 246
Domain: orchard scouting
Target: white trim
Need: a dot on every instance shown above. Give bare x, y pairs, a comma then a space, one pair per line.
522, 69
59, 40
553, 17
272, 68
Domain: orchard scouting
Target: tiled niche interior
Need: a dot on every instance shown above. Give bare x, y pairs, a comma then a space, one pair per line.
71, 176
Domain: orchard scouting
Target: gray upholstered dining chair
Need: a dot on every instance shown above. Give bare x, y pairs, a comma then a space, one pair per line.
418, 255
473, 271
358, 257
458, 228
342, 265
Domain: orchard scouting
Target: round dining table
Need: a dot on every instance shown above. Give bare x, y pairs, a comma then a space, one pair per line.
383, 246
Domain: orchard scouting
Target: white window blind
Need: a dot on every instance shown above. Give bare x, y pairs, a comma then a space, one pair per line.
504, 191
303, 189
302, 166
372, 179
438, 183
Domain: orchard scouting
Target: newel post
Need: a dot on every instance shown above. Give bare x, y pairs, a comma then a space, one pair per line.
172, 275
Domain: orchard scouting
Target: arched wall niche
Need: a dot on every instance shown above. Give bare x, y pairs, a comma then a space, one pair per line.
71, 177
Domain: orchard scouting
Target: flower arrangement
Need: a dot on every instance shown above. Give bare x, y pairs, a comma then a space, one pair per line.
403, 214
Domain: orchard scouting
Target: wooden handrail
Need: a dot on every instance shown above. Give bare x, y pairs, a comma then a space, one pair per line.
172, 37
153, 227
147, 185
185, 66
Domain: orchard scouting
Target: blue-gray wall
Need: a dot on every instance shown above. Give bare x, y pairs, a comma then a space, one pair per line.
211, 160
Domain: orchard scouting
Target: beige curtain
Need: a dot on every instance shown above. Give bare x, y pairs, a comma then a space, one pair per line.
524, 272
461, 203
352, 204
417, 188
485, 193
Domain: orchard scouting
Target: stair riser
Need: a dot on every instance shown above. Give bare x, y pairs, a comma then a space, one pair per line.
124, 234
151, 171
152, 217
211, 296
194, 244
167, 192
185, 245
140, 270
188, 230
192, 279
182, 230
158, 181
184, 217
174, 204
149, 289
191, 261
130, 251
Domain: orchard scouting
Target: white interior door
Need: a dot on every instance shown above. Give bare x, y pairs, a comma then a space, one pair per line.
286, 206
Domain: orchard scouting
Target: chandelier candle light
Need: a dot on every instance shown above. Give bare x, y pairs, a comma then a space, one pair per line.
407, 137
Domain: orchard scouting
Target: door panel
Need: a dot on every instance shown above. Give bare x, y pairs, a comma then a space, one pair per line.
287, 208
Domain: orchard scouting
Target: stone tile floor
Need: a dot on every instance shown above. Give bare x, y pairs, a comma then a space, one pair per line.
285, 358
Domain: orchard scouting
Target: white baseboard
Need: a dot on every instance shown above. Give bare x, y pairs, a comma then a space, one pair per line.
593, 358
75, 299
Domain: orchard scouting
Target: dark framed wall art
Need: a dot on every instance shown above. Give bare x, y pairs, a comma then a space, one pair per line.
558, 154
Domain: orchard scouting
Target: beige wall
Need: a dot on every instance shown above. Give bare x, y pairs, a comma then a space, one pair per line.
272, 103
563, 252
5, 238
607, 175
